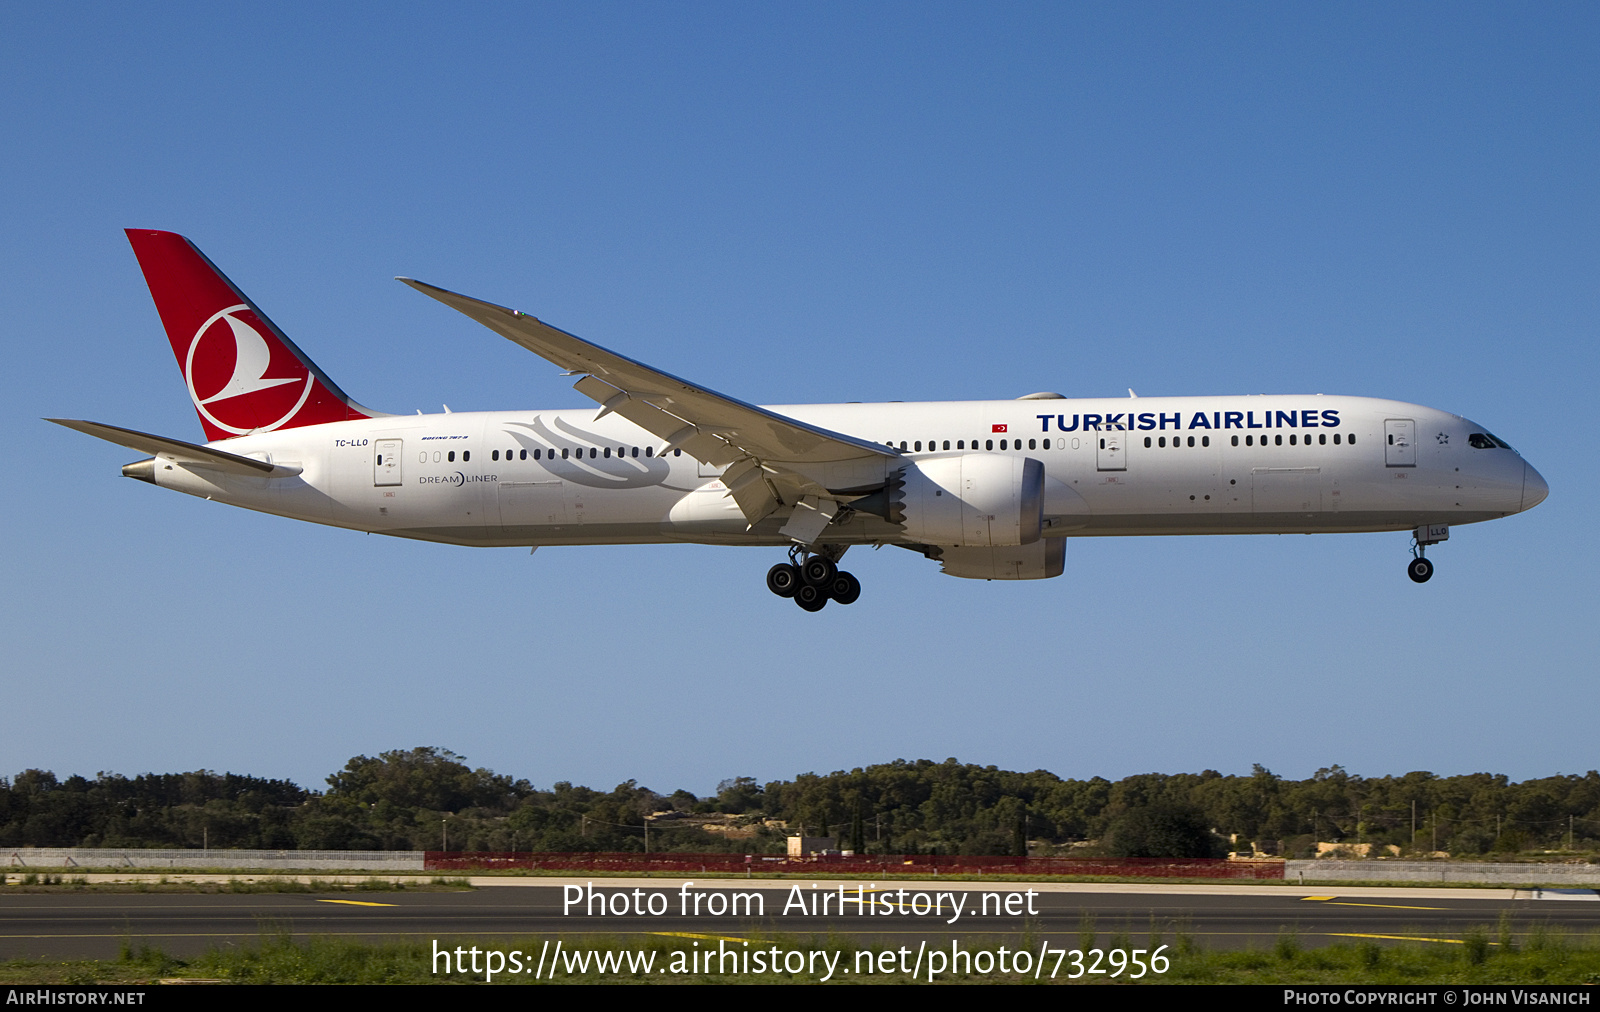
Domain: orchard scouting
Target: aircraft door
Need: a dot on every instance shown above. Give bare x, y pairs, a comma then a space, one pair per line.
386, 463
1400, 442
1113, 452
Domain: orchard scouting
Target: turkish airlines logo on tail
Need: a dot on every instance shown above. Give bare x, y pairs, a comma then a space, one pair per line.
241, 381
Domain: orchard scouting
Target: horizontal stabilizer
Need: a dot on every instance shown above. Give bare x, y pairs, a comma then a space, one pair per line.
179, 452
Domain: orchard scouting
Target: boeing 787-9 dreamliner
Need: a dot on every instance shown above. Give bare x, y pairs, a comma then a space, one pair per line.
992, 490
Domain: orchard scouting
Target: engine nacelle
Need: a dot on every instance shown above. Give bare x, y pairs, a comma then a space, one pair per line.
983, 500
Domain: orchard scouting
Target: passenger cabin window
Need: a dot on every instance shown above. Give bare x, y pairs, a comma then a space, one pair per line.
452, 456
466, 455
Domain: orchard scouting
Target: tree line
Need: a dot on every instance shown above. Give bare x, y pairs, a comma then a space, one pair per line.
431, 799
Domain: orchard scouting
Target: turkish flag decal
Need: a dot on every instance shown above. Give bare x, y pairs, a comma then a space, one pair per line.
997, 428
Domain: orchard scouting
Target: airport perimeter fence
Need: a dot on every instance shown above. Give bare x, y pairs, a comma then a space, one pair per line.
903, 864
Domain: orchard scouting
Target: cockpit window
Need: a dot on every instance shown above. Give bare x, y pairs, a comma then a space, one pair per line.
1485, 441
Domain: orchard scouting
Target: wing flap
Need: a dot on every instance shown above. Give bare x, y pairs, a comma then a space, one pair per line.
680, 433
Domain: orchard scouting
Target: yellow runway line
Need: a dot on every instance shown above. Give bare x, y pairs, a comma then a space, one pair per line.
708, 938
1330, 901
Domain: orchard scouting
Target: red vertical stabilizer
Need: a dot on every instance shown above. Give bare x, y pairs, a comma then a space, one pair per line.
243, 374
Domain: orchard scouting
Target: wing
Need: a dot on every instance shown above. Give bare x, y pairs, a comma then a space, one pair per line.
772, 460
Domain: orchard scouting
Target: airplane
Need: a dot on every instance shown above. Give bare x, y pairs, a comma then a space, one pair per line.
992, 490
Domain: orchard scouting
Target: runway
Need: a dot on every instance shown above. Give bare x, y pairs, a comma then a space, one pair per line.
84, 924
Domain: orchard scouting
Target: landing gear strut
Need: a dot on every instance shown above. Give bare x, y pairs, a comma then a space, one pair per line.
1419, 568
812, 579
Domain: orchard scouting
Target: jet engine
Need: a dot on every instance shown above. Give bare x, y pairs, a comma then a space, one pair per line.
981, 500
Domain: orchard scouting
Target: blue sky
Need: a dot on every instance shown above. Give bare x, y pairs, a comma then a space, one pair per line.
794, 204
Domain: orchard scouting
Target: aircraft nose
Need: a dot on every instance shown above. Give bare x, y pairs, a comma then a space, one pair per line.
1534, 489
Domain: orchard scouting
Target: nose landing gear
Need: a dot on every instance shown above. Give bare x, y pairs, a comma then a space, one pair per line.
1419, 568
812, 579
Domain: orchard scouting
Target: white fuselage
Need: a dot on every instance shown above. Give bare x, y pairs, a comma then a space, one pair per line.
1174, 465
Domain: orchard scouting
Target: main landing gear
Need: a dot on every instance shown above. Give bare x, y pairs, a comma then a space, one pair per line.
1419, 568
812, 579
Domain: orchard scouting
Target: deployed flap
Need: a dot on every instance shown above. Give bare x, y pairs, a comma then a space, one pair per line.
708, 426
178, 451
811, 517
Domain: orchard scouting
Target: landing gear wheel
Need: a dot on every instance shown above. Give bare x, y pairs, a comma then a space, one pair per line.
782, 579
844, 588
810, 598
1419, 570
818, 571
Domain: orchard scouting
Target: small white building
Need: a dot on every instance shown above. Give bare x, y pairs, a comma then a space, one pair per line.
806, 846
